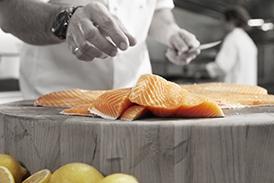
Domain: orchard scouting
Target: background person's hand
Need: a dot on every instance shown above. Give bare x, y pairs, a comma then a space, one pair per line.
94, 32
183, 47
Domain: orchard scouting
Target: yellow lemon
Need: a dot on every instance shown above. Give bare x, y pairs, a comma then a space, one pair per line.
5, 175
42, 176
119, 178
13, 166
76, 173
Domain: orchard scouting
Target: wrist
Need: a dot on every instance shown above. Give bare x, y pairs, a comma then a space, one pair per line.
61, 22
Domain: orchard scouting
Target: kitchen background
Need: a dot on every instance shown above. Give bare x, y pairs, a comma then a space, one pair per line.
202, 17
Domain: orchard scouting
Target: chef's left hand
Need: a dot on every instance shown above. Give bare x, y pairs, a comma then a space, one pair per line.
183, 47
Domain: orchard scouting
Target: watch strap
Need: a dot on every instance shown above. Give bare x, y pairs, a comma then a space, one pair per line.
61, 22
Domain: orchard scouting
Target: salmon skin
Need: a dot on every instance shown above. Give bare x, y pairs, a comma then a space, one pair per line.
68, 98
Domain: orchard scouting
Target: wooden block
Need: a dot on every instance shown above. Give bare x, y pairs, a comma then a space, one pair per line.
79, 142
2, 135
33, 142
234, 149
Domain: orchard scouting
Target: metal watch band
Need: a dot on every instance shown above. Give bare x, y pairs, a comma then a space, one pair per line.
60, 25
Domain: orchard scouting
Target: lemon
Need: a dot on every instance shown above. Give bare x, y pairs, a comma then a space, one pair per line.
119, 178
42, 176
13, 166
5, 175
76, 173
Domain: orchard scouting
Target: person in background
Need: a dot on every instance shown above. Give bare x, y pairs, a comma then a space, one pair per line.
111, 34
237, 59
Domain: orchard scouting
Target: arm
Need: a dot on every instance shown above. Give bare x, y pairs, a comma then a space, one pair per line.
163, 26
29, 20
89, 27
182, 44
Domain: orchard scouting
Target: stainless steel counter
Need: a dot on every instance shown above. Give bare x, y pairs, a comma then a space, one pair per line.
6, 97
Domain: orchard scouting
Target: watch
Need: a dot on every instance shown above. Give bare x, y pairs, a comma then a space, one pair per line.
60, 25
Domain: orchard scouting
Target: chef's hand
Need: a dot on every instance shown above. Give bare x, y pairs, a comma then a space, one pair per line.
183, 47
90, 30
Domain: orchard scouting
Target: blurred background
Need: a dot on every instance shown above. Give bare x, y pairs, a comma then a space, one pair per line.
203, 18
9, 68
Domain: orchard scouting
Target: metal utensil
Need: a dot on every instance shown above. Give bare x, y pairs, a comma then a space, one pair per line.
204, 46
209, 45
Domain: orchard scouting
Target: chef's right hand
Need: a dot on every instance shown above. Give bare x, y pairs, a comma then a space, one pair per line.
94, 32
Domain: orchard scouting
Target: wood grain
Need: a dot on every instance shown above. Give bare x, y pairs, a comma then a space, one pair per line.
236, 149
2, 137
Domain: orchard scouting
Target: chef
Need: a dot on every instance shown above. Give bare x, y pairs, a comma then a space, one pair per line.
109, 34
237, 59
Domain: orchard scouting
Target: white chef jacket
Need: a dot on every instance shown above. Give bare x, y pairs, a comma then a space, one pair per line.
237, 59
52, 68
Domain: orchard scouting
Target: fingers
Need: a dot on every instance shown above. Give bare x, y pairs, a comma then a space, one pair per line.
99, 14
93, 35
178, 43
131, 39
97, 33
82, 49
184, 48
181, 59
190, 40
189, 57
172, 56
88, 52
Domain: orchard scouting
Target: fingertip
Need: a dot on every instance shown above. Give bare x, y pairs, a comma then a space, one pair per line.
113, 53
132, 41
123, 46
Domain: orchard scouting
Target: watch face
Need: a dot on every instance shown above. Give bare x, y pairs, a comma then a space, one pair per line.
60, 25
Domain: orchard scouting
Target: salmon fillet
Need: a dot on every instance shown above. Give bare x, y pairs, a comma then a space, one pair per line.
232, 95
68, 98
112, 104
233, 99
157, 94
134, 112
206, 109
167, 99
225, 88
153, 94
81, 110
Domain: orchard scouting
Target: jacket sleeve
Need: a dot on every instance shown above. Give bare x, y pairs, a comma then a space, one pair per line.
161, 4
225, 60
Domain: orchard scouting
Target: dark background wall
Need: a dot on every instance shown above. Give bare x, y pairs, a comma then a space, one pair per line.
257, 8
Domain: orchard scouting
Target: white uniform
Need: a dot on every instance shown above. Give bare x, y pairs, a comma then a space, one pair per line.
237, 59
52, 68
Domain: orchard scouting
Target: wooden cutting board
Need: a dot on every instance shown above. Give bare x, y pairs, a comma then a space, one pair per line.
236, 149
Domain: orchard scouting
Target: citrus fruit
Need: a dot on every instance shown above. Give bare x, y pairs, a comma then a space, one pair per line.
42, 176
5, 175
119, 178
13, 166
76, 173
